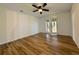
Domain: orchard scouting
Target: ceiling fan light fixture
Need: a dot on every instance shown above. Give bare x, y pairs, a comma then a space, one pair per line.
40, 10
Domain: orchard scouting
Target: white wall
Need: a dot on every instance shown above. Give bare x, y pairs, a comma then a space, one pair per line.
64, 23
75, 23
2, 25
20, 25
41, 24
16, 25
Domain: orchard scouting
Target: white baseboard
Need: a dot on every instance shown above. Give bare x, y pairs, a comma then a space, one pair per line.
7, 41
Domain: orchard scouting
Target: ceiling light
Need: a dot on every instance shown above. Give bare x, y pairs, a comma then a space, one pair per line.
40, 10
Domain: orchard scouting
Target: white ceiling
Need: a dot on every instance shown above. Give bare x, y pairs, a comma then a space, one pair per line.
27, 8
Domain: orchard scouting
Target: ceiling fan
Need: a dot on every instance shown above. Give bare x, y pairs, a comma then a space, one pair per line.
40, 8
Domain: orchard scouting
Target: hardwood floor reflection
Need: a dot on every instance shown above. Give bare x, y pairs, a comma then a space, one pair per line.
41, 44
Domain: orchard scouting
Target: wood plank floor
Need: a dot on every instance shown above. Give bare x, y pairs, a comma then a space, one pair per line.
41, 44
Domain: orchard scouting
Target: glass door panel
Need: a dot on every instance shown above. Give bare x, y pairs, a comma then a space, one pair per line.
51, 26
54, 26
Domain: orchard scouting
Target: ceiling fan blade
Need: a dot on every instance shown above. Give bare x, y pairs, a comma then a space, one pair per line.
35, 10
35, 6
40, 12
45, 9
39, 7
44, 4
